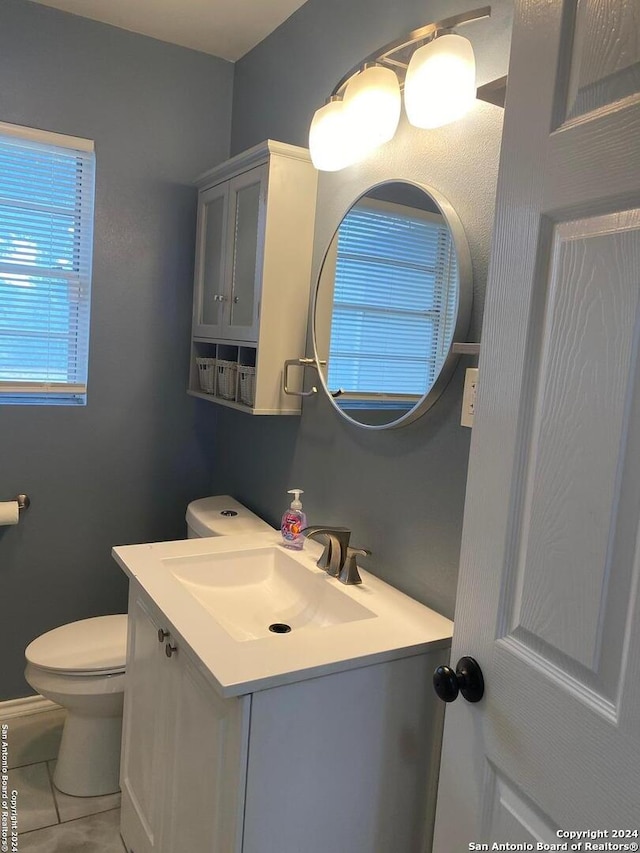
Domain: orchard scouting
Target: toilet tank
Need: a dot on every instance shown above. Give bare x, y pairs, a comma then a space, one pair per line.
222, 515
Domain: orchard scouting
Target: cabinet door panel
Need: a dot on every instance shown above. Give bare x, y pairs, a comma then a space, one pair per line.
245, 249
141, 776
210, 296
207, 750
212, 278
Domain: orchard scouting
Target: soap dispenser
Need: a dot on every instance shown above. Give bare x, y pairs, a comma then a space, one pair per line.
293, 523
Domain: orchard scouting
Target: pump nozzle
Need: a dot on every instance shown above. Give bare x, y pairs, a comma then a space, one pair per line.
296, 503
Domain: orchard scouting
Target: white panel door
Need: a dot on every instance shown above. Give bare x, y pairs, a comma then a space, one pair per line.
550, 568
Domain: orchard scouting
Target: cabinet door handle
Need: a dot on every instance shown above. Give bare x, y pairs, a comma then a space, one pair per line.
169, 649
162, 635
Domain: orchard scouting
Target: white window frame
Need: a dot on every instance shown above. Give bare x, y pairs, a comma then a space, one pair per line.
70, 275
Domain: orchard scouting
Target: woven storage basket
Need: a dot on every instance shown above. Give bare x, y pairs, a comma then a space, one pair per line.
207, 374
227, 372
247, 384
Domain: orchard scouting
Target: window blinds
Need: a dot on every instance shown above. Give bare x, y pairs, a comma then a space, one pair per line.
46, 236
395, 302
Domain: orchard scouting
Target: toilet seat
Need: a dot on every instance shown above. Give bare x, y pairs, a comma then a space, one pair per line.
90, 647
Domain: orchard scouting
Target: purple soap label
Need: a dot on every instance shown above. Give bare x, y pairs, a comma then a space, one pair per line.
290, 526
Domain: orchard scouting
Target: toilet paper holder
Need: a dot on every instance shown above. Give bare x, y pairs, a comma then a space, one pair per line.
23, 502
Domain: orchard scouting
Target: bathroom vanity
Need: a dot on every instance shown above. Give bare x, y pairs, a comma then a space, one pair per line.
242, 737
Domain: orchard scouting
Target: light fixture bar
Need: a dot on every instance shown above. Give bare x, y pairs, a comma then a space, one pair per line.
387, 54
494, 92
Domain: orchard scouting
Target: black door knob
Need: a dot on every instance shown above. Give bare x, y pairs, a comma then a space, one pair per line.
467, 679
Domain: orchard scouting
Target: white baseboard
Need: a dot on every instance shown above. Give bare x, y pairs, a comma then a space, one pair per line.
28, 705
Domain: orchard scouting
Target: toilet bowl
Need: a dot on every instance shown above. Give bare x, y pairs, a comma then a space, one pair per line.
81, 666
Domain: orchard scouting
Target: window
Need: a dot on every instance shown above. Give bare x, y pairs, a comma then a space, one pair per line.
395, 304
46, 236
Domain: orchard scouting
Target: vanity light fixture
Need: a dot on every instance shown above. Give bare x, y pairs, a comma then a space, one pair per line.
440, 85
372, 104
329, 143
434, 66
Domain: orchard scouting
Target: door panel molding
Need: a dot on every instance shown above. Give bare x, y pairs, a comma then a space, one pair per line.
510, 816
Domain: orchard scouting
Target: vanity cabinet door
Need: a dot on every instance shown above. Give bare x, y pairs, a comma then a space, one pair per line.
207, 753
143, 770
184, 748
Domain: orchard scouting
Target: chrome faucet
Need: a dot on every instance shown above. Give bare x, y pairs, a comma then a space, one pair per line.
338, 559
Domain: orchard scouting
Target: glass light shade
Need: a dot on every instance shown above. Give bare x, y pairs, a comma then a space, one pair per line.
372, 105
440, 85
330, 144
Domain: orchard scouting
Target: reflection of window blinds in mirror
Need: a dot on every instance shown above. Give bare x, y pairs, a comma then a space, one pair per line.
395, 300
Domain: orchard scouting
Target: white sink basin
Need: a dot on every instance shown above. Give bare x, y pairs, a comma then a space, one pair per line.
219, 596
254, 593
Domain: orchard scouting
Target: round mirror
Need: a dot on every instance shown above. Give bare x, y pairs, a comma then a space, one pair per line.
394, 292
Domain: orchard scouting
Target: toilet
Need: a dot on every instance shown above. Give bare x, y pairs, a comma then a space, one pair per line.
81, 666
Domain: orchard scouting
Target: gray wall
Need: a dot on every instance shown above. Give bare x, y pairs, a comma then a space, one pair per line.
123, 468
402, 491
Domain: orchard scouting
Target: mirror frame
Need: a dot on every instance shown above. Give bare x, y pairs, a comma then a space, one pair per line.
463, 316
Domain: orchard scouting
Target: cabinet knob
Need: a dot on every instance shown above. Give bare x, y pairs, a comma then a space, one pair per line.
236, 299
162, 635
169, 649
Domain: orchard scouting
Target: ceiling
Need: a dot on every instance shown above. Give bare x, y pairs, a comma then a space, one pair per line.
225, 28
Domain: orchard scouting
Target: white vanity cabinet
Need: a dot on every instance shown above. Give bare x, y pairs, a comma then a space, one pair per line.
252, 276
346, 761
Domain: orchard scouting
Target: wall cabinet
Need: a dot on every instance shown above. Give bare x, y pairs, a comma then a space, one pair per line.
252, 276
344, 762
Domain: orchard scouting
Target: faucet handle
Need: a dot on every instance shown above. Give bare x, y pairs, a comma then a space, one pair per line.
349, 573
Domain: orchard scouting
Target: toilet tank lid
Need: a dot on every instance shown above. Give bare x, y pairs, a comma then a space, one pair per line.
214, 516
96, 645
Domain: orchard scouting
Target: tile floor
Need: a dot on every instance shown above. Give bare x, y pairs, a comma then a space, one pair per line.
48, 820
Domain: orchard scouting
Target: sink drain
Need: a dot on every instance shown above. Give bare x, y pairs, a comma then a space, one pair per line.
280, 628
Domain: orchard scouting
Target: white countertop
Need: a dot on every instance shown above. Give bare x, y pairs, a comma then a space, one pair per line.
400, 627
